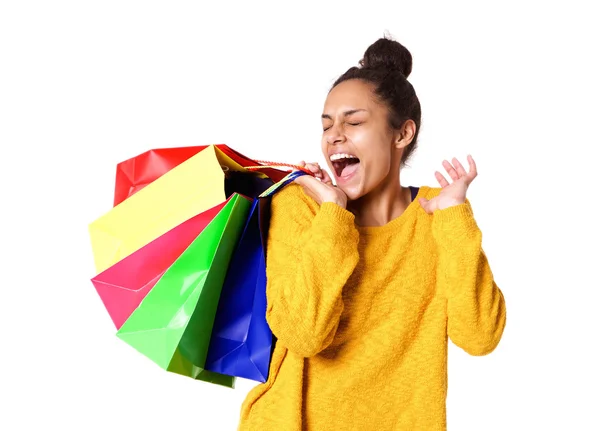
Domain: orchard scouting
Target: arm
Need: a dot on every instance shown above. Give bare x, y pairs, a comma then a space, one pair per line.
476, 307
311, 253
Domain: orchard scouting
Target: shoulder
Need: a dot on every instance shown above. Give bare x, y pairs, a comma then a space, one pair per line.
429, 192
292, 204
293, 196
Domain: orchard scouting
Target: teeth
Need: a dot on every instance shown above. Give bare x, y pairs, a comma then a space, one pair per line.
340, 156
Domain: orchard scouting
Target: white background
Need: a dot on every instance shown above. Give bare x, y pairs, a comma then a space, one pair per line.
84, 85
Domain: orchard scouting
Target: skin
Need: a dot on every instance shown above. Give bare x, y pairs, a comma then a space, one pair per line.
355, 122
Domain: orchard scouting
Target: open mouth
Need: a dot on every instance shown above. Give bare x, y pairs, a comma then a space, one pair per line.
344, 165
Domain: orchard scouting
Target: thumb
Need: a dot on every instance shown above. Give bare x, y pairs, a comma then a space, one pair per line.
306, 180
425, 204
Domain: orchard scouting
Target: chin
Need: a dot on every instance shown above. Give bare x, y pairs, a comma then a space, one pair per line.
352, 186
354, 192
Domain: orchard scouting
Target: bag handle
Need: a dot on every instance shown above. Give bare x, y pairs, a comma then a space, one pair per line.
275, 165
291, 176
284, 181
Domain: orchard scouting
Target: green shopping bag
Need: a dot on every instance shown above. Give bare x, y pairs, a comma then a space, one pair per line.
173, 324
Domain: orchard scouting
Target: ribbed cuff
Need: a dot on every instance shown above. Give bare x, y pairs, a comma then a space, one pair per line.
458, 219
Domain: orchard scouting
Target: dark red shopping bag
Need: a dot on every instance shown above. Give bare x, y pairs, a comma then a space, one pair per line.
137, 172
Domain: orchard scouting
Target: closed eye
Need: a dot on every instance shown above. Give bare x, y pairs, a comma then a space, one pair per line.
351, 124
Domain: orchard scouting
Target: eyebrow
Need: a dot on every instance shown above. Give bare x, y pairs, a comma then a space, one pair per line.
347, 113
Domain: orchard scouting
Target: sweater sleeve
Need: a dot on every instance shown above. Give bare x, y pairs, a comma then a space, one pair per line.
476, 307
311, 253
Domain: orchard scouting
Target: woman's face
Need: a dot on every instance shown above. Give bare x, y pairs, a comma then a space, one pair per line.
358, 143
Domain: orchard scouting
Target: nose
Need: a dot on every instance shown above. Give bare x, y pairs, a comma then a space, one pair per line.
334, 135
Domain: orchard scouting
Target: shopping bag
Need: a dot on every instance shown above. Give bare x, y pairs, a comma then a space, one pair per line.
173, 324
137, 172
201, 182
242, 340
123, 286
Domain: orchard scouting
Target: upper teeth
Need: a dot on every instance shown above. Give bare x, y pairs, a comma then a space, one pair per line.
341, 156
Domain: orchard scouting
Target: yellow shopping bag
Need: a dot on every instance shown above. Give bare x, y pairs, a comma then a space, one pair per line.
191, 188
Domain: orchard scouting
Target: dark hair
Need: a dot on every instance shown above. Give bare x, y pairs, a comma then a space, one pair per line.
387, 64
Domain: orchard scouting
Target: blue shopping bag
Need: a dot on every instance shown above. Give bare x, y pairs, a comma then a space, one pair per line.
241, 343
241, 339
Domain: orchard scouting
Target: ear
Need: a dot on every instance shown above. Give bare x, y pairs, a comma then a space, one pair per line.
405, 134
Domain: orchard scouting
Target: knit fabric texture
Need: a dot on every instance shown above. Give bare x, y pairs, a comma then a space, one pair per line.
363, 315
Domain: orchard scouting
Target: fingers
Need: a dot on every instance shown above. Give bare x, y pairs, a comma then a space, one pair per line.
301, 164
450, 169
472, 168
326, 178
441, 179
459, 167
307, 184
457, 171
316, 189
311, 167
308, 181
301, 180
314, 184
315, 169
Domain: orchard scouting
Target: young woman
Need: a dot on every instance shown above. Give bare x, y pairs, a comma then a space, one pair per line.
368, 279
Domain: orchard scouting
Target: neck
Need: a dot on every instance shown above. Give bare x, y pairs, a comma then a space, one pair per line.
387, 202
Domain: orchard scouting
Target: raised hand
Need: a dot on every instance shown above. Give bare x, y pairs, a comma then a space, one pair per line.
320, 187
454, 193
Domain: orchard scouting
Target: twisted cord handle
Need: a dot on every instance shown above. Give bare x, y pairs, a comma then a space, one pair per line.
266, 164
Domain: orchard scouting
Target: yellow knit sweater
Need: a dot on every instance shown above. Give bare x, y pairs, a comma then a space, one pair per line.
362, 316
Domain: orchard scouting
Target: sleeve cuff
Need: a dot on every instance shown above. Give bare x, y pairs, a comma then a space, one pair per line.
458, 219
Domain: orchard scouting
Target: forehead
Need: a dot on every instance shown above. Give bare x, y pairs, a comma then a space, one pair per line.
351, 94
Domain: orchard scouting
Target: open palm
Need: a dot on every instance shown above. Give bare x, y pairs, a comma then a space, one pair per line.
454, 193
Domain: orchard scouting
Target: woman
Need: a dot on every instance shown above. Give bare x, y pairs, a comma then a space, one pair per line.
368, 279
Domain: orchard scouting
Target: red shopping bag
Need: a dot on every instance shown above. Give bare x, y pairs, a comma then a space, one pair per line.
137, 172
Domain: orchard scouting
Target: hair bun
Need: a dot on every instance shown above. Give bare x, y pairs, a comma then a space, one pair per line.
387, 54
